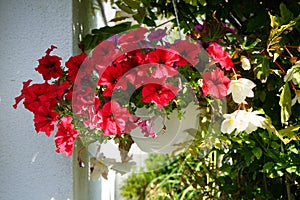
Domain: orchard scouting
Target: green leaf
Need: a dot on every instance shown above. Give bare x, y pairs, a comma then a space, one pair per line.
285, 103
262, 69
202, 2
268, 167
133, 4
269, 126
288, 130
124, 7
293, 74
116, 19
149, 22
286, 14
291, 169
257, 152
248, 158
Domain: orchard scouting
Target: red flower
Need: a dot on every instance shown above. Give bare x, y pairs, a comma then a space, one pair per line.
162, 72
82, 99
215, 83
163, 56
49, 66
105, 53
94, 117
45, 118
216, 52
116, 120
136, 77
23, 92
130, 41
62, 89
187, 51
110, 78
160, 94
73, 64
36, 95
65, 136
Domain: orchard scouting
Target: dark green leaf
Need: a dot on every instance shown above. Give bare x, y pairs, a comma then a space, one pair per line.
118, 19
124, 7
286, 14
132, 3
257, 152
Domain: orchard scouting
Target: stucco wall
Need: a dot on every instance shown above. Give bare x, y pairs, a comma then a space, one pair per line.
29, 167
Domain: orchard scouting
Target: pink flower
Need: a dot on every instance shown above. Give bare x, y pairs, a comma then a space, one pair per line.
219, 56
215, 83
65, 136
162, 72
147, 128
116, 119
160, 94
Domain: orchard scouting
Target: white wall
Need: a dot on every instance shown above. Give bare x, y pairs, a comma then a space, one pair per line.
29, 167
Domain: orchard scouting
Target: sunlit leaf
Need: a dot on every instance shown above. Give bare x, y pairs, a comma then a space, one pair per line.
285, 103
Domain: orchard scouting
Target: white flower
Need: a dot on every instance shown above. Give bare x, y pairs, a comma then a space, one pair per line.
245, 63
296, 98
241, 120
241, 89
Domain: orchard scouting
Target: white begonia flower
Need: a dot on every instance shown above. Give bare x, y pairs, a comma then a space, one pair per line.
296, 98
245, 63
241, 120
241, 89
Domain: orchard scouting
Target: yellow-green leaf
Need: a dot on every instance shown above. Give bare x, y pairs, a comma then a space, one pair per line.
285, 103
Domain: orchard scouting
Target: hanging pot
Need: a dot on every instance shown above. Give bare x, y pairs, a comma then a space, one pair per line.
172, 133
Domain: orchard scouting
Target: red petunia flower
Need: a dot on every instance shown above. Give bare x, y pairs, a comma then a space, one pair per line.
162, 72
216, 52
94, 117
105, 53
62, 88
36, 95
22, 95
73, 64
45, 118
110, 78
188, 52
130, 41
160, 94
215, 83
49, 66
65, 136
163, 56
82, 99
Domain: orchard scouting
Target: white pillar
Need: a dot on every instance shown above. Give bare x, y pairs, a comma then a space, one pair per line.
30, 167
